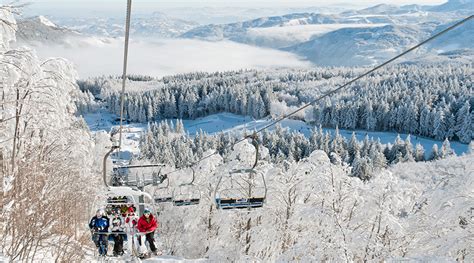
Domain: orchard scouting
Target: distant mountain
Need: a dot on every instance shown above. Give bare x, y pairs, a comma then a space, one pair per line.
287, 30
235, 30
368, 46
359, 46
459, 38
454, 5
156, 25
41, 29
351, 38
384, 9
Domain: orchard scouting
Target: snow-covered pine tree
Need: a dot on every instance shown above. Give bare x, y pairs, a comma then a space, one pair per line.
408, 154
419, 153
465, 123
435, 155
446, 149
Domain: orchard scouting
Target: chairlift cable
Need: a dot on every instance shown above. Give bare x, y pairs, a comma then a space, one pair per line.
125, 62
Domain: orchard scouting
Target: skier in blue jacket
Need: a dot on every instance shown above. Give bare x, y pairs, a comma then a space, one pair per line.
99, 226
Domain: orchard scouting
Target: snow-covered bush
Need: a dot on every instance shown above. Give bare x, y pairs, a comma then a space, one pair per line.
45, 156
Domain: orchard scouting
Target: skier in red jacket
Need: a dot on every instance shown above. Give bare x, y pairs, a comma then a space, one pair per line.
147, 225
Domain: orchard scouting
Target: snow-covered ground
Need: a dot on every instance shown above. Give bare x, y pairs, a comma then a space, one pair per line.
232, 123
104, 121
3, 259
128, 258
228, 122
172, 259
157, 259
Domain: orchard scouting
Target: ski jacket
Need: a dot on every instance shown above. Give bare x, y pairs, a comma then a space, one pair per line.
147, 226
99, 224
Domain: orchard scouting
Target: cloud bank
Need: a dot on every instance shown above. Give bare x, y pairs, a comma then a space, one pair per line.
96, 57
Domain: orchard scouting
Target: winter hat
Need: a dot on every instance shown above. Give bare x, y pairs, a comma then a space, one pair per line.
100, 212
147, 211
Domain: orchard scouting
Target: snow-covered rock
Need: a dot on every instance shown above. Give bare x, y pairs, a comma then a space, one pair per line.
41, 29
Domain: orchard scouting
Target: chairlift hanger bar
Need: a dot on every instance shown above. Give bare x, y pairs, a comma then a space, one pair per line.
336, 90
125, 62
122, 99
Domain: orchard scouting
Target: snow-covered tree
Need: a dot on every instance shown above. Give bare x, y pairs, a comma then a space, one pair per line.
446, 149
46, 157
465, 124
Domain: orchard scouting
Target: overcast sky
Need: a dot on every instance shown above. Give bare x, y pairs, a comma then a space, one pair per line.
240, 3
144, 5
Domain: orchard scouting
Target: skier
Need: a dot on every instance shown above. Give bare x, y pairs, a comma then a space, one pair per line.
147, 225
117, 226
99, 226
131, 219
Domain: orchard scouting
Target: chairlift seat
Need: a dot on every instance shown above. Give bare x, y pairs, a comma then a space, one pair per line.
239, 203
167, 199
186, 202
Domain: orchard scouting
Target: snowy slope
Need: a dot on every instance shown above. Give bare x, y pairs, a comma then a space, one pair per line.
454, 5
164, 259
3, 259
459, 38
369, 46
359, 46
231, 123
285, 36
106, 122
236, 124
155, 259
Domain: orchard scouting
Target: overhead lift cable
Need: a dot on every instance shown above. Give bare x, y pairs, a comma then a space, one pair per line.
336, 90
122, 97
125, 63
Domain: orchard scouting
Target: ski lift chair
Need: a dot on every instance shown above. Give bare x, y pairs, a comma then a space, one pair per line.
243, 191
